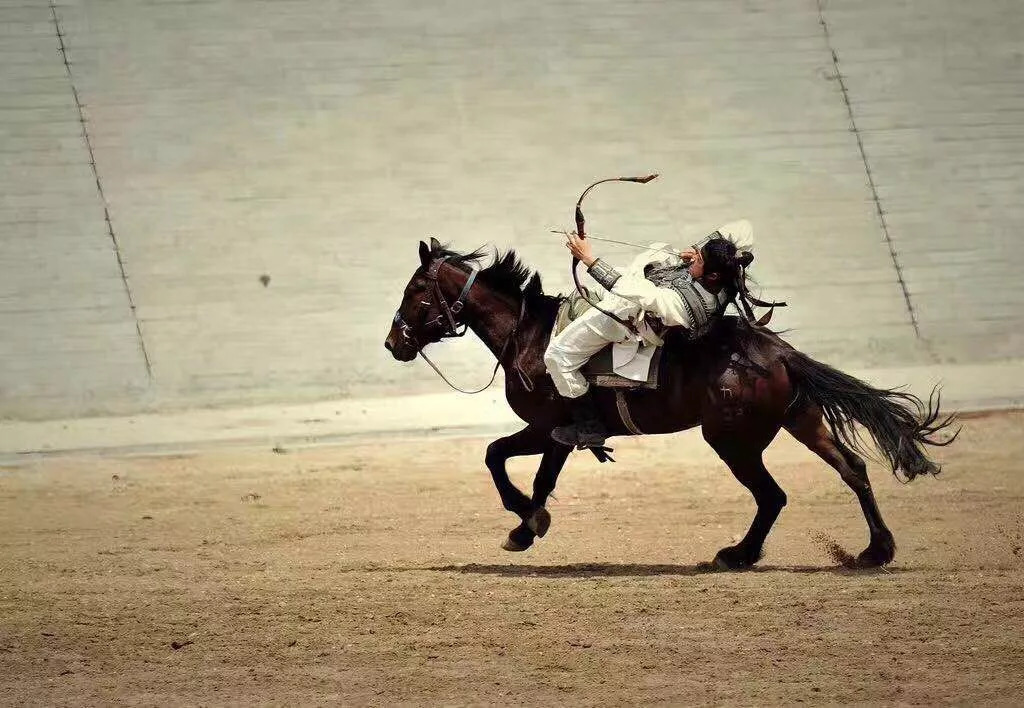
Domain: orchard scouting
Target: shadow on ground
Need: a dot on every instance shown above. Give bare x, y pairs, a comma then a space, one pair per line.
583, 570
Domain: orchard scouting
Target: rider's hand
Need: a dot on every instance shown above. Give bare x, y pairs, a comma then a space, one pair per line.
580, 249
689, 255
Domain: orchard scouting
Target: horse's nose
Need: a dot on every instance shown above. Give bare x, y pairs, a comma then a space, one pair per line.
388, 345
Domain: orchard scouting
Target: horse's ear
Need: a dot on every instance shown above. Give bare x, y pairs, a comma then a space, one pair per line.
424, 253
435, 245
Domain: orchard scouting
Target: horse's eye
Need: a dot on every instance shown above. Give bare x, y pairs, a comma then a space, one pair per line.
424, 303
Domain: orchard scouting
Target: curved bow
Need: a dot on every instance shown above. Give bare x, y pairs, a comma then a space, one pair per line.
581, 231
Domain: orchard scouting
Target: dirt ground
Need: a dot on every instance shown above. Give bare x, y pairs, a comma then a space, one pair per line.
372, 574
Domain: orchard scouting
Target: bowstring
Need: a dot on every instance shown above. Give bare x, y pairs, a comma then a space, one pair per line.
642, 247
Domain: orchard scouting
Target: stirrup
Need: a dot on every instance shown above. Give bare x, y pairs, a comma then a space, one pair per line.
570, 435
593, 443
565, 435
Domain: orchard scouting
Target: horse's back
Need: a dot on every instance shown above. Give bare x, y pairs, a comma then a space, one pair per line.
735, 370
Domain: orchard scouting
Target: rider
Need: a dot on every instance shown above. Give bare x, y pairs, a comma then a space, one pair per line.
690, 289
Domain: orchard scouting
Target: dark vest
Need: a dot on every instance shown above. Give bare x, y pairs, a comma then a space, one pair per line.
703, 307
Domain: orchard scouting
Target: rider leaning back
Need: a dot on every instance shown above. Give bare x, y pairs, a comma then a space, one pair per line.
689, 290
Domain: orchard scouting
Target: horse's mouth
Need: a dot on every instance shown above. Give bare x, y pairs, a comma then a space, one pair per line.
401, 351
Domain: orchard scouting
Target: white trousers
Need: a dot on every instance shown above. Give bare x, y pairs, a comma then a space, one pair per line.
583, 338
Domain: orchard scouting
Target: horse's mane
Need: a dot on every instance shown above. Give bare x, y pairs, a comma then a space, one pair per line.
506, 274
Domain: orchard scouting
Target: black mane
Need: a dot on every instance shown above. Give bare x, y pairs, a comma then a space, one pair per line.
507, 274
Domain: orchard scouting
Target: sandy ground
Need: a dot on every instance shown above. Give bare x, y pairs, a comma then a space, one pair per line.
372, 574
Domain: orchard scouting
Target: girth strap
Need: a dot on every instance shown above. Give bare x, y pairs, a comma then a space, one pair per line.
623, 408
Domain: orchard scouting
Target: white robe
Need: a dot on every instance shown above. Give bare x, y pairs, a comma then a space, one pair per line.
632, 297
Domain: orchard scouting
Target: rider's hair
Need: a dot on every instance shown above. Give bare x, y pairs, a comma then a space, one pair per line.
723, 257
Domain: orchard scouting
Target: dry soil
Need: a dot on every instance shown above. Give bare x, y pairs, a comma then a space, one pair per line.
372, 574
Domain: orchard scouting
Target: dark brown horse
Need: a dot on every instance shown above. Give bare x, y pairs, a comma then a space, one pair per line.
741, 383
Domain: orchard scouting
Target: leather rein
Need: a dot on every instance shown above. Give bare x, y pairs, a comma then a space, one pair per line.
451, 328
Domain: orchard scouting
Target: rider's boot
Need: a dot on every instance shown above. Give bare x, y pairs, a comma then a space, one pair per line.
586, 430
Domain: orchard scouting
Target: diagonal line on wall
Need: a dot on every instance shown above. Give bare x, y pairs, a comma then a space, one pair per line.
99, 189
867, 169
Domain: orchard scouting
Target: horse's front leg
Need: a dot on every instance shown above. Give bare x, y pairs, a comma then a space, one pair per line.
544, 483
528, 441
536, 524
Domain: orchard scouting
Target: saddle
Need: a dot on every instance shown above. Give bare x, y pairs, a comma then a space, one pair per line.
600, 370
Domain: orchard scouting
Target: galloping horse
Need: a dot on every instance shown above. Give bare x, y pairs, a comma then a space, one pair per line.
741, 383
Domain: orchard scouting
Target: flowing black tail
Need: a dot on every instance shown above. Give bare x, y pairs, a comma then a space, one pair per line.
900, 423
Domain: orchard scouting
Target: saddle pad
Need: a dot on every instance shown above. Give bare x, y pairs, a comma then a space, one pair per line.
599, 371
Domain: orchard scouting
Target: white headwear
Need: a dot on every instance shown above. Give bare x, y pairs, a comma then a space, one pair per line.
739, 232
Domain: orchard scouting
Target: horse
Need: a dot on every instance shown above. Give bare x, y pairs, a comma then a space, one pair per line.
740, 382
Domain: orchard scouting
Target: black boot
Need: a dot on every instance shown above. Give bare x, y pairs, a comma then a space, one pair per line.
587, 429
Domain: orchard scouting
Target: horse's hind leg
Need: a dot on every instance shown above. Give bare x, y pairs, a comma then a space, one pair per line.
807, 427
743, 456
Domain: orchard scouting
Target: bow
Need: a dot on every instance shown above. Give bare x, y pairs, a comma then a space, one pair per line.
581, 223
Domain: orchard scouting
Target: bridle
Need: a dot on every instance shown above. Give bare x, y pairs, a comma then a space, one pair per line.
450, 326
448, 312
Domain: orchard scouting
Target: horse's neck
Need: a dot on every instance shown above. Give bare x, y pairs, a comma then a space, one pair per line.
491, 318
495, 316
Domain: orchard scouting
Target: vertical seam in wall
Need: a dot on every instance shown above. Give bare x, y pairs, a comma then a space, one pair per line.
867, 170
99, 190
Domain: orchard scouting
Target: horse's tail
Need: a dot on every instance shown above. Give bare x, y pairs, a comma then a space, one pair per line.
899, 422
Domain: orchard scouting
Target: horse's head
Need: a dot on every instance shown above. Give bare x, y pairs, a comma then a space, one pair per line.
425, 315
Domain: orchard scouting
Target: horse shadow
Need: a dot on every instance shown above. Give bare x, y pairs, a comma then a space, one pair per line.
643, 570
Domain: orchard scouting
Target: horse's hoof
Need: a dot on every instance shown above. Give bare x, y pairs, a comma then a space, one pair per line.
877, 554
519, 539
513, 546
733, 558
540, 522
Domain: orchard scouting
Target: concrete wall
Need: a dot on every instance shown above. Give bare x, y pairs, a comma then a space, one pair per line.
878, 148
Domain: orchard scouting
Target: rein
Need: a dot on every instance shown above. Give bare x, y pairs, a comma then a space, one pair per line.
447, 319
